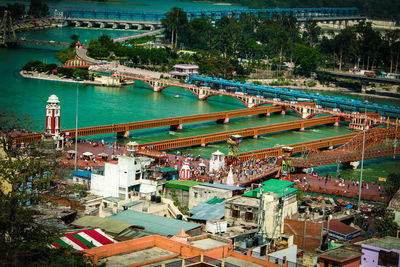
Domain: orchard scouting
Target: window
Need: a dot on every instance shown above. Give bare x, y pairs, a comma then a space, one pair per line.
195, 194
235, 213
388, 258
248, 216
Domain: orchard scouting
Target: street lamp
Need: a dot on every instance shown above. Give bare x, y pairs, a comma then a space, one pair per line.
362, 155
76, 127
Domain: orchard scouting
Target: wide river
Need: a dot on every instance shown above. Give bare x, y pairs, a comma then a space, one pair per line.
101, 105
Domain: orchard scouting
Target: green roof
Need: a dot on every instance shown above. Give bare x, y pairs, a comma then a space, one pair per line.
215, 200
276, 186
154, 223
167, 169
108, 225
181, 184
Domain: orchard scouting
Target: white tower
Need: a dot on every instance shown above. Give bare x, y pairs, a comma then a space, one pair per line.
53, 116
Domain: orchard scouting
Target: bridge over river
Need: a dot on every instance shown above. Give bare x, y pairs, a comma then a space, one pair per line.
329, 14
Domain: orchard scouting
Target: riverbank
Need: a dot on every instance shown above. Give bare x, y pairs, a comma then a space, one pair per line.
55, 78
37, 24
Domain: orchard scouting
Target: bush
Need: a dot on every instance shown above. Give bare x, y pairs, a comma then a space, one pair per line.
311, 84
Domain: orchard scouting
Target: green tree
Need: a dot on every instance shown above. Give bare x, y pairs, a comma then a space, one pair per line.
392, 37
306, 59
174, 24
312, 32
23, 173
392, 184
66, 54
38, 9
386, 225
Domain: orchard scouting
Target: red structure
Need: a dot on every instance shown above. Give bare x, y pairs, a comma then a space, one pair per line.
53, 116
379, 142
76, 63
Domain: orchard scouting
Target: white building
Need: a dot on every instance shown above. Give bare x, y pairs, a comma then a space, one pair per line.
119, 179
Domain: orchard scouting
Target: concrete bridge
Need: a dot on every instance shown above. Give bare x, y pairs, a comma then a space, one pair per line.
304, 109
112, 24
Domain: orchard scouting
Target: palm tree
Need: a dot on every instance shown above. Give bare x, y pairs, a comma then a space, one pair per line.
174, 22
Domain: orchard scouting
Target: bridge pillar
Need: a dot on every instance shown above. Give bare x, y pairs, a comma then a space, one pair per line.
220, 121
138, 26
102, 25
283, 112
354, 164
336, 123
202, 94
268, 114
90, 24
176, 127
115, 25
126, 25
123, 134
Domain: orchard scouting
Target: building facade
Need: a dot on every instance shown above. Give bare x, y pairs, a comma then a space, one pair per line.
118, 179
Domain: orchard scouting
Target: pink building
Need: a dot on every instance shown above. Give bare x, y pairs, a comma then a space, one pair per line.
183, 71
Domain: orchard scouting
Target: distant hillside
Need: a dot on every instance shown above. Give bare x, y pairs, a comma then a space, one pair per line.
378, 9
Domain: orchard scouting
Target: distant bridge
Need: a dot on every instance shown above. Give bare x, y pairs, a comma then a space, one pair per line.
362, 77
337, 14
282, 94
113, 23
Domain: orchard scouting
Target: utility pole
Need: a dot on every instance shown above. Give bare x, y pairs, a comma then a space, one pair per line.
76, 127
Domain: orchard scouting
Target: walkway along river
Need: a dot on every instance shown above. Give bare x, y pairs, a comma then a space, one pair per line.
102, 106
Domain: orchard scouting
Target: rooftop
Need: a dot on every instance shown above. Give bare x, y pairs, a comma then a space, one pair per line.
341, 254
83, 174
136, 257
211, 209
153, 223
181, 184
186, 66
108, 225
339, 227
223, 186
276, 186
387, 242
244, 201
207, 243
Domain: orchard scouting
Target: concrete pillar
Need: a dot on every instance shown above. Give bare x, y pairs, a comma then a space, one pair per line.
115, 25
283, 112
203, 145
302, 129
220, 121
122, 134
176, 127
90, 24
330, 147
268, 114
336, 123
102, 25
255, 136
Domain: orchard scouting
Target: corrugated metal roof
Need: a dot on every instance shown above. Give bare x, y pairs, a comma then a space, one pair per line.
83, 239
214, 200
224, 186
153, 223
83, 174
276, 186
211, 209
108, 225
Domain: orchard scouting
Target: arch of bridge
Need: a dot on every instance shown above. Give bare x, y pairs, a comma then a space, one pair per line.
233, 96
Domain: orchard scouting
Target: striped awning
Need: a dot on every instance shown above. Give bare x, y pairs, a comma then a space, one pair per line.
83, 239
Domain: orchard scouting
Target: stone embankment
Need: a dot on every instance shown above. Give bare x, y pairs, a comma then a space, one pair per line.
55, 78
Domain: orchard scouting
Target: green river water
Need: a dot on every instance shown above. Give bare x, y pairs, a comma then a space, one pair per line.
102, 105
